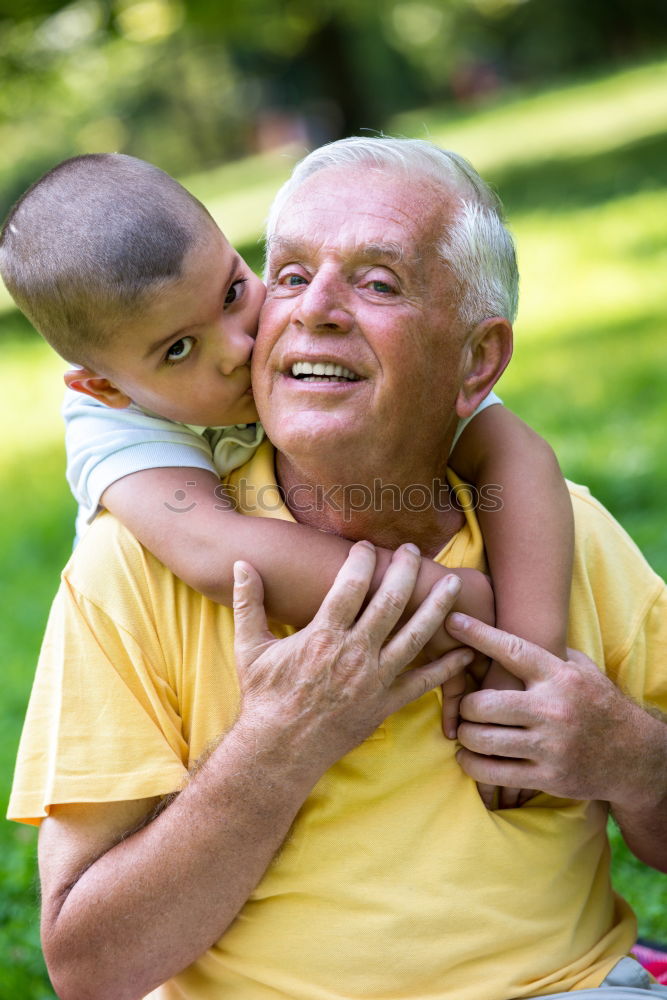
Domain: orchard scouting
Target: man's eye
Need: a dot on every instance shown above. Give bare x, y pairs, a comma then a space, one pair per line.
179, 350
291, 279
381, 287
235, 291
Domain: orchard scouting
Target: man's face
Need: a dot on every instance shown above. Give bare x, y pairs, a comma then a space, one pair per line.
359, 349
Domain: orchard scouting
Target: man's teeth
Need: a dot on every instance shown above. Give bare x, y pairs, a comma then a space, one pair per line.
307, 371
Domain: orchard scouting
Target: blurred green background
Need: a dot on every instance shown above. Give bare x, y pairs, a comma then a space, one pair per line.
562, 105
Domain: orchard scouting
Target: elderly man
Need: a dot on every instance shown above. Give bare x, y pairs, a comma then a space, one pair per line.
331, 843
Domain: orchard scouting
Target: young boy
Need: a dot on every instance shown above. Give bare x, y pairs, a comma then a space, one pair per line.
128, 277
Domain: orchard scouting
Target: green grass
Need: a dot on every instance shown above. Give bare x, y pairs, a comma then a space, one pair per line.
580, 169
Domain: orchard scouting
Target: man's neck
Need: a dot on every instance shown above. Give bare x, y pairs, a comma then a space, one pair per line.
385, 510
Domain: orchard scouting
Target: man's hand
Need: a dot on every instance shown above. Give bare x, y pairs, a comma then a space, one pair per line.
328, 687
570, 733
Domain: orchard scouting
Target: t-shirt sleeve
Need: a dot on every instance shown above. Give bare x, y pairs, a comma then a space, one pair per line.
490, 400
104, 444
642, 672
102, 722
611, 576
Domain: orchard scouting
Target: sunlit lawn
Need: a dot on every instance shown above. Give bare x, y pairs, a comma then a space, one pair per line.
580, 170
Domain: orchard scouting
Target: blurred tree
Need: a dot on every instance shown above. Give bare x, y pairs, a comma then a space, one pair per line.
191, 84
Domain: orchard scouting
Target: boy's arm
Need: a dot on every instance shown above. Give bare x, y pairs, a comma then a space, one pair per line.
180, 515
525, 514
526, 519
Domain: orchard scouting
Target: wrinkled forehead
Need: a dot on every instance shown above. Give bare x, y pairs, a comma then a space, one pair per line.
350, 206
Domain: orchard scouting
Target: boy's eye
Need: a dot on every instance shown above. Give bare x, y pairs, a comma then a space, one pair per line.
235, 291
179, 350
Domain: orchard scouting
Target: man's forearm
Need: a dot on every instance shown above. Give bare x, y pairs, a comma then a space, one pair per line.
119, 918
156, 901
642, 814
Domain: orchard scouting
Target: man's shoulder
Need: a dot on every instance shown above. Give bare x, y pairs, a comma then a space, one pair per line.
111, 568
599, 535
615, 593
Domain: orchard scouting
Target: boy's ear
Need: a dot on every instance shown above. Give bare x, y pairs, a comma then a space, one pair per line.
100, 388
486, 355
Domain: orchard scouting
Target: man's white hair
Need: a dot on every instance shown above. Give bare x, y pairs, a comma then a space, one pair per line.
476, 245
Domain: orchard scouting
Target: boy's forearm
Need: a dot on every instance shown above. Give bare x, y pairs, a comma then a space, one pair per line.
531, 563
200, 538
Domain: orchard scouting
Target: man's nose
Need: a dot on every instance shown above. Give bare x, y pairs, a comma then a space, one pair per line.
235, 348
322, 306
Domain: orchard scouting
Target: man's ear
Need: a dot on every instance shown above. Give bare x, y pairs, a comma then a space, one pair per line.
88, 382
486, 355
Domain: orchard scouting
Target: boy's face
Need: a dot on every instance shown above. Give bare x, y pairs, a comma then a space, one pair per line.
185, 355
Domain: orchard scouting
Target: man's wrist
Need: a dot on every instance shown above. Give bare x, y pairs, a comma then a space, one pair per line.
276, 752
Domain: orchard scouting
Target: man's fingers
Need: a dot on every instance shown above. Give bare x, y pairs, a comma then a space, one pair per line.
251, 631
525, 660
391, 599
416, 682
497, 741
495, 770
500, 708
413, 636
348, 592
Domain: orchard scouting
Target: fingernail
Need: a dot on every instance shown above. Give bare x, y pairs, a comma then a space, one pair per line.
411, 547
366, 543
457, 620
240, 574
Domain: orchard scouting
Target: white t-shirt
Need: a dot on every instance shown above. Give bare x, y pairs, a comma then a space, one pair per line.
104, 444
489, 400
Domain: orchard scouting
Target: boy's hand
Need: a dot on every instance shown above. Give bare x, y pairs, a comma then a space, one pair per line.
476, 599
452, 692
494, 796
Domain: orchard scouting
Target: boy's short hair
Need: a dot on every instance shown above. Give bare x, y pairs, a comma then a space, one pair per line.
89, 241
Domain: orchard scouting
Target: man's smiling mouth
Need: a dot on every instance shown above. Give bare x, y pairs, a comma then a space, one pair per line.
322, 371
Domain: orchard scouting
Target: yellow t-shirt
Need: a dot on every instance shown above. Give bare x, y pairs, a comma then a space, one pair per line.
395, 881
